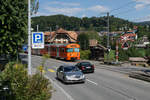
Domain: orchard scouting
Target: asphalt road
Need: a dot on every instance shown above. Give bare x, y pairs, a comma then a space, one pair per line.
104, 84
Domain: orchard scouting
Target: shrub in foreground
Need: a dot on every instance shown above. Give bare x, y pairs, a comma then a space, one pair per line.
25, 87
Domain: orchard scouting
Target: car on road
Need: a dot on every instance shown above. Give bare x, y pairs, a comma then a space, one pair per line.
85, 67
70, 74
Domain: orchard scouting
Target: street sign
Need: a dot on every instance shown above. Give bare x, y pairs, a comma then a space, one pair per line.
25, 48
125, 46
37, 40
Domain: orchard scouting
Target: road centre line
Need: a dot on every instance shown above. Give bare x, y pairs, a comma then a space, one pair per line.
54, 83
92, 82
51, 70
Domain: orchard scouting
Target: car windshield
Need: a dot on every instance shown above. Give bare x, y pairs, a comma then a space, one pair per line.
85, 63
70, 68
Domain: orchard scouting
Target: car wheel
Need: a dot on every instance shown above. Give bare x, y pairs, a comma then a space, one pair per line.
83, 82
64, 79
57, 76
93, 71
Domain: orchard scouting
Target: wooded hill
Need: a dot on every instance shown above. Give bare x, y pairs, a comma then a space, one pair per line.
76, 24
143, 23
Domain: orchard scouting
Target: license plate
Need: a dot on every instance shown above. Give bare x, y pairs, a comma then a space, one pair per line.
88, 67
77, 76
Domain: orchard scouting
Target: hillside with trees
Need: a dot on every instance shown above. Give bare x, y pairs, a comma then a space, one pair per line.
77, 24
143, 23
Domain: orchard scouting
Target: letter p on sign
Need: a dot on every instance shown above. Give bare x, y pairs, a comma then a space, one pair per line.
38, 37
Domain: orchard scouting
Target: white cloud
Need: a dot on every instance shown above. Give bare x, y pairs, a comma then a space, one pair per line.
99, 8
141, 4
70, 9
64, 3
84, 15
65, 11
41, 14
147, 18
143, 1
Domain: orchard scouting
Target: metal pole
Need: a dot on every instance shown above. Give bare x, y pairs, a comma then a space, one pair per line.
108, 30
29, 38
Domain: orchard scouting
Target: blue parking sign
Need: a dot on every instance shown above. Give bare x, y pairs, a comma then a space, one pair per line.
37, 40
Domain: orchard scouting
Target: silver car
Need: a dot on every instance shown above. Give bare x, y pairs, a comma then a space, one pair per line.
70, 74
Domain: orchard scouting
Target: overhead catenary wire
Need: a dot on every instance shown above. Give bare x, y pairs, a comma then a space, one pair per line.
129, 10
115, 9
123, 6
124, 12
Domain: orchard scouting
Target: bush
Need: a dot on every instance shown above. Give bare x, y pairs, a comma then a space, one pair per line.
148, 52
123, 56
24, 87
111, 56
131, 52
85, 54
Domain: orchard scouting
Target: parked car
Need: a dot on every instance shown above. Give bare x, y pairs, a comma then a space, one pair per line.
85, 67
70, 74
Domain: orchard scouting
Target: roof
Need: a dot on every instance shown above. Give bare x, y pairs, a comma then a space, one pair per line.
137, 59
61, 31
71, 34
99, 45
130, 34
49, 33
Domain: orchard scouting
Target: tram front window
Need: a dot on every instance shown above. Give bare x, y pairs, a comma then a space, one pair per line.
70, 50
76, 49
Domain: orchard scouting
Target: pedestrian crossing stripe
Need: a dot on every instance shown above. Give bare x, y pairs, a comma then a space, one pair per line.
51, 70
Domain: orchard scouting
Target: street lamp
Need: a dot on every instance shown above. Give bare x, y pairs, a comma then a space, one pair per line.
29, 37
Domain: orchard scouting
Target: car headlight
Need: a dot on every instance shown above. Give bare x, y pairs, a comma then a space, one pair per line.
82, 76
68, 77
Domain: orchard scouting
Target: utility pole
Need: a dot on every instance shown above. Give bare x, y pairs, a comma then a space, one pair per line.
108, 30
50, 29
29, 37
117, 50
37, 28
108, 47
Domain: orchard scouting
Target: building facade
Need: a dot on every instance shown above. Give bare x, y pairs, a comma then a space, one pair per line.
61, 36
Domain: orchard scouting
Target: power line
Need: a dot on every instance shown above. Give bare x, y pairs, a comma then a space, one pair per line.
129, 10
123, 6
124, 12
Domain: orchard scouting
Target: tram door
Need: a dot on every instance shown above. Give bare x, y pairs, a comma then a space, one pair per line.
57, 52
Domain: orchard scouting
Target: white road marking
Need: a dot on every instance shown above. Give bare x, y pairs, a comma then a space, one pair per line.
67, 95
92, 82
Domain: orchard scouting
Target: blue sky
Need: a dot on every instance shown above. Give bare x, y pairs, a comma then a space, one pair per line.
133, 10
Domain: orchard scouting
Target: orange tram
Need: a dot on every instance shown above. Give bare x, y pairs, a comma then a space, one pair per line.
62, 51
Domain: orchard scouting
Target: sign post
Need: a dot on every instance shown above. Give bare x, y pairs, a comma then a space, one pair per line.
37, 40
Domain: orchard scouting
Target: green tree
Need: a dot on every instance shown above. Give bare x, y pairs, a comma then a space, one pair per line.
13, 25
83, 40
104, 40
